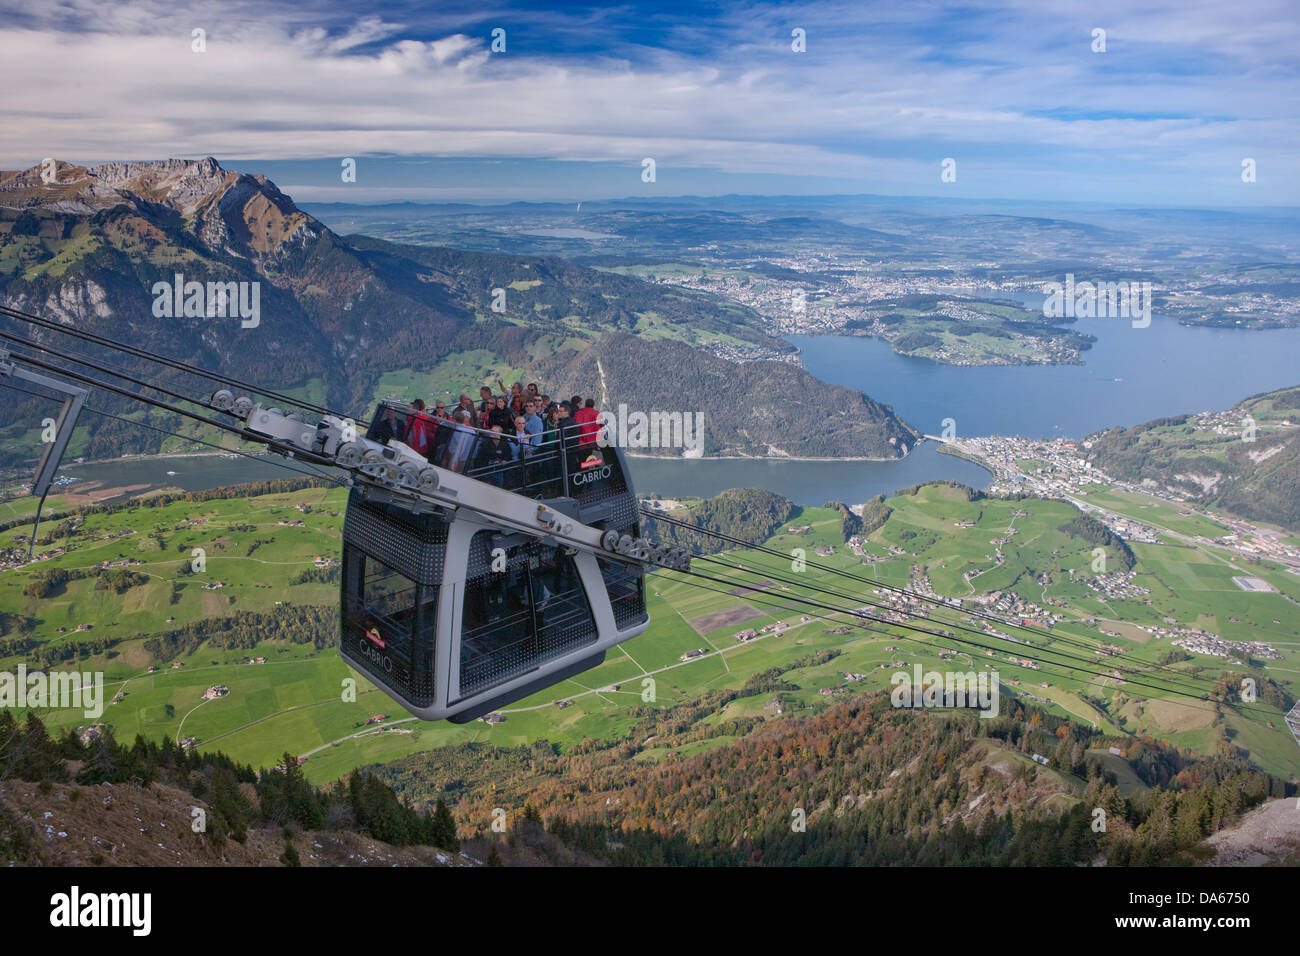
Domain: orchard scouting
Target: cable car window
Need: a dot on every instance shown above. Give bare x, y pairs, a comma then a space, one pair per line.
559, 600
388, 424
390, 623
518, 618
625, 585
389, 595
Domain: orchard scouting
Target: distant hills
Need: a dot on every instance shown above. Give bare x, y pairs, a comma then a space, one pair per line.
1217, 459
89, 246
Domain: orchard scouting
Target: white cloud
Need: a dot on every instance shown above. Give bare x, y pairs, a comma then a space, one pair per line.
869, 100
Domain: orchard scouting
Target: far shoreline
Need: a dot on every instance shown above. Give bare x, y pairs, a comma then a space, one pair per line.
943, 449
72, 466
759, 458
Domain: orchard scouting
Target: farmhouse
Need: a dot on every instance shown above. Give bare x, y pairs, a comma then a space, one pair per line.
88, 734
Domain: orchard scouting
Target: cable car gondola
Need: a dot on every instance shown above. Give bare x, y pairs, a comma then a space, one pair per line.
455, 612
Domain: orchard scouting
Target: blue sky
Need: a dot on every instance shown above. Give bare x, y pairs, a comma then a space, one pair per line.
1012, 91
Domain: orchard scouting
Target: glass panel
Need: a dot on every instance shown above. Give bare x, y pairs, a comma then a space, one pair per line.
389, 596
519, 618
388, 422
390, 626
626, 587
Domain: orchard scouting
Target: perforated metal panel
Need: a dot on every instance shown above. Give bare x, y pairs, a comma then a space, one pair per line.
414, 545
626, 589
600, 484
482, 545
479, 672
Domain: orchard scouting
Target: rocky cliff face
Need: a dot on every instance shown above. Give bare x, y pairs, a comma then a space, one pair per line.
92, 247
239, 214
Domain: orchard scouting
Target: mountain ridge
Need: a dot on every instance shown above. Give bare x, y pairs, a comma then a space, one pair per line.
89, 246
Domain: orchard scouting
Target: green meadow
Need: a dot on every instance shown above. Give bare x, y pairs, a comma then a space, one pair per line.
294, 702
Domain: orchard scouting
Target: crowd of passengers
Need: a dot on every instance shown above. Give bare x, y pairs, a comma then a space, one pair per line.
514, 439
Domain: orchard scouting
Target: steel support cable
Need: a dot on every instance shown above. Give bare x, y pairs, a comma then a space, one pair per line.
176, 364
1068, 660
291, 450
912, 627
309, 473
134, 381
933, 601
1046, 669
1130, 668
809, 602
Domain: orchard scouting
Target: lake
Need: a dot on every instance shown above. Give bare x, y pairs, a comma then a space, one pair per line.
564, 233
804, 482
193, 473
1131, 376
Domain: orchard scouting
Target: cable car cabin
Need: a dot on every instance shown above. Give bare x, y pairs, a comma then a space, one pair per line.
454, 616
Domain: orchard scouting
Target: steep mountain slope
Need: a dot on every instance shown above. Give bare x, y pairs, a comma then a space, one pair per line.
70, 824
854, 783
1266, 836
90, 247
755, 409
83, 799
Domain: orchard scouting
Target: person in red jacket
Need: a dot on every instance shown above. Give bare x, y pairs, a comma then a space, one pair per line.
589, 419
419, 429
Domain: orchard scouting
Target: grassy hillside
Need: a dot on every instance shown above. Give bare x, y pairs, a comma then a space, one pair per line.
275, 603
1245, 460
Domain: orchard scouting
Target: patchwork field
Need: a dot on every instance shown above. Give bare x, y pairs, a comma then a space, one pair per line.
934, 538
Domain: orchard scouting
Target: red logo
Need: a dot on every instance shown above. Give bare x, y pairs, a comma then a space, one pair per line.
594, 460
372, 635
